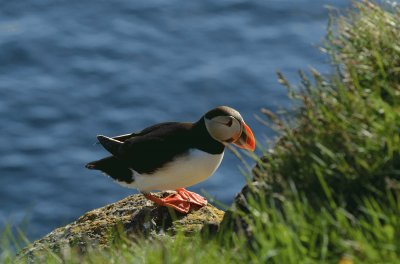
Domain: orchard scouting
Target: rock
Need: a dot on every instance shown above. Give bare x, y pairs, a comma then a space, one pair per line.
133, 216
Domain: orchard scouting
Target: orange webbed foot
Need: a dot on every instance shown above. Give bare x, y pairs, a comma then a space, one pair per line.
182, 201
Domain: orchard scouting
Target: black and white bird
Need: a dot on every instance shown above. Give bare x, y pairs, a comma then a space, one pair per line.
173, 156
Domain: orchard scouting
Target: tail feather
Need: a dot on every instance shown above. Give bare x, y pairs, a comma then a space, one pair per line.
114, 167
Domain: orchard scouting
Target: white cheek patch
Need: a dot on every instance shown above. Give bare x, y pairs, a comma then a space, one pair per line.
230, 133
225, 133
224, 128
237, 130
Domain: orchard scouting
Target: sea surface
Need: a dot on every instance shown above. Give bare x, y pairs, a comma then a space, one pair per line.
70, 70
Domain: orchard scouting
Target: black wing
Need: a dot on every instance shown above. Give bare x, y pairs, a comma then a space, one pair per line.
152, 148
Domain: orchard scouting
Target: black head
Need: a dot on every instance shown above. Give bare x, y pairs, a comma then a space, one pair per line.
226, 125
223, 111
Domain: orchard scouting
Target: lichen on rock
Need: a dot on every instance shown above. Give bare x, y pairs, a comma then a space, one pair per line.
134, 217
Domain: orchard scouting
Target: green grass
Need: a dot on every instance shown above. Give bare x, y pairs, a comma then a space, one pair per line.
296, 233
328, 189
345, 141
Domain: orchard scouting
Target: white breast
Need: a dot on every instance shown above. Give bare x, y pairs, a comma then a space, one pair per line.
182, 172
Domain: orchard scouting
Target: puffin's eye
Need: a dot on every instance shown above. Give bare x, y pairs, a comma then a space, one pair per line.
230, 122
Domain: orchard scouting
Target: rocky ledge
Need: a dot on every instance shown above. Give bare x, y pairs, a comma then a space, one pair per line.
133, 216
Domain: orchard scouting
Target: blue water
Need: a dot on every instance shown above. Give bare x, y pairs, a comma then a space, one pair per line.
70, 70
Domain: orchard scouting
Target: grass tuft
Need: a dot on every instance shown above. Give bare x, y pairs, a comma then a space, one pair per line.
346, 140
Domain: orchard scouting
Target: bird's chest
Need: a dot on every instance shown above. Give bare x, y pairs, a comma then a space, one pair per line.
181, 172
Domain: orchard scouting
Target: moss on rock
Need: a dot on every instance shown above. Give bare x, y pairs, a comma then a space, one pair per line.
133, 217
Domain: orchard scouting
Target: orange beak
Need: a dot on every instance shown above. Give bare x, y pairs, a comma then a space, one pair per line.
246, 140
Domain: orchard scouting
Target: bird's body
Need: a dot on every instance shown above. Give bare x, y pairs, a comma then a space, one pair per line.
161, 157
173, 155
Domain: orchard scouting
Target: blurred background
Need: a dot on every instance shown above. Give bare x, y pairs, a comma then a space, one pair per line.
70, 70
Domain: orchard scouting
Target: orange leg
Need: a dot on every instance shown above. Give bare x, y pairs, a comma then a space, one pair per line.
182, 201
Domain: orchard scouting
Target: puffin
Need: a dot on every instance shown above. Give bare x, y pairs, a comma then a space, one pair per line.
174, 156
